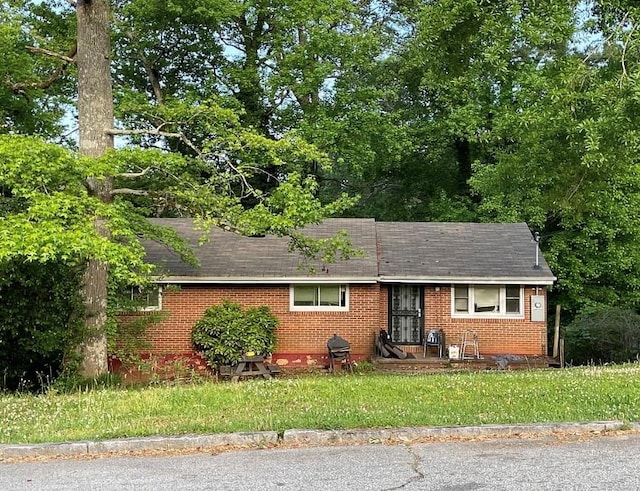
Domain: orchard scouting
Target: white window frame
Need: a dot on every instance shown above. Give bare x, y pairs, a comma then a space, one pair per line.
344, 288
470, 314
146, 308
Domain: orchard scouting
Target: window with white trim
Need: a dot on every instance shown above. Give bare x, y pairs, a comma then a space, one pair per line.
487, 301
321, 297
146, 298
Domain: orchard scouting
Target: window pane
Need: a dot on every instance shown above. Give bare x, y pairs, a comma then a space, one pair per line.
462, 291
487, 299
462, 305
513, 306
461, 301
319, 297
513, 299
304, 295
513, 291
153, 297
146, 297
330, 295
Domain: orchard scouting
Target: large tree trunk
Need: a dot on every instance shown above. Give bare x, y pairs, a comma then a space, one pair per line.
95, 117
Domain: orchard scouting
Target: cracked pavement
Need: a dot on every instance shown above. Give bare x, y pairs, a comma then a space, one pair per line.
534, 462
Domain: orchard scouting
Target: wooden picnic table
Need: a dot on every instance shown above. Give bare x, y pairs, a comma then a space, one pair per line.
250, 366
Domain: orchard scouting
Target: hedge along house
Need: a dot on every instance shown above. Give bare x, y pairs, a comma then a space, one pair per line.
412, 278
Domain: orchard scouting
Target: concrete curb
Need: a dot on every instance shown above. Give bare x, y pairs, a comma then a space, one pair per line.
155, 443
316, 437
303, 437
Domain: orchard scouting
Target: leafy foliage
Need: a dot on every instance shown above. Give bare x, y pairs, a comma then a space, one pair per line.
210, 162
261, 116
603, 336
49, 216
40, 322
226, 332
565, 161
126, 334
34, 90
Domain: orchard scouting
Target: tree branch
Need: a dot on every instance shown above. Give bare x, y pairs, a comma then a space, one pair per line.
156, 132
131, 192
610, 37
52, 54
623, 60
57, 73
154, 79
134, 175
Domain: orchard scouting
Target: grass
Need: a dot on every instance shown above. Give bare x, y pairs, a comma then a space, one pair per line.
325, 401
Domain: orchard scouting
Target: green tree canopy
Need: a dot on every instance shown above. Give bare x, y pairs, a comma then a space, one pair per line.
199, 157
568, 165
254, 114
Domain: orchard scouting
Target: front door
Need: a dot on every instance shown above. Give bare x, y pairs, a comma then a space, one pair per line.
405, 314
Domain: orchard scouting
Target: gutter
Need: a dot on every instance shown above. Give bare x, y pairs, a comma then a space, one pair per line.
187, 280
477, 280
438, 280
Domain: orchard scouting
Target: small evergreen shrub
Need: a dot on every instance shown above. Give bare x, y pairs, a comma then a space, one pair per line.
226, 332
604, 336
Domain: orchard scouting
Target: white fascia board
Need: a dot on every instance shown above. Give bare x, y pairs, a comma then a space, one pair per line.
187, 280
470, 280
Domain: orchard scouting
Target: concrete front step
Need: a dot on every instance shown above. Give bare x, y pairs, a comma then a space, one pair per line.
427, 365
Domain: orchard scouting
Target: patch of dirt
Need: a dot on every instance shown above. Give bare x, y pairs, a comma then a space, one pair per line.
555, 439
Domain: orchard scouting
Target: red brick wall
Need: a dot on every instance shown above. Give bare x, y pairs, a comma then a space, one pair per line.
301, 336
495, 336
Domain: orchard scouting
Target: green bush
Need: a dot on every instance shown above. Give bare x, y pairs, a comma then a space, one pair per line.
604, 336
41, 315
226, 332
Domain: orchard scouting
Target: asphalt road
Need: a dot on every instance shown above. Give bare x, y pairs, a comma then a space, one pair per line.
603, 463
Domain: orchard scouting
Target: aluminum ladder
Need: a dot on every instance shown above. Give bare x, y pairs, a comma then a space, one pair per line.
469, 346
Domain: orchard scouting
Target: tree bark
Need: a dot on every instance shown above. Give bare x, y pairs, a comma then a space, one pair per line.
95, 118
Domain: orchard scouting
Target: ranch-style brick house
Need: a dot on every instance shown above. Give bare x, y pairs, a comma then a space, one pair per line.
412, 278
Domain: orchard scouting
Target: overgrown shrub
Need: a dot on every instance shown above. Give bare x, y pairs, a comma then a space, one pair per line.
128, 323
608, 335
226, 332
41, 315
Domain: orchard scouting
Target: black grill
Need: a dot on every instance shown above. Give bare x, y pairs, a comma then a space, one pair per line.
339, 353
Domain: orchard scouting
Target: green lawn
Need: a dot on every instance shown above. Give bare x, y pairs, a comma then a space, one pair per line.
326, 401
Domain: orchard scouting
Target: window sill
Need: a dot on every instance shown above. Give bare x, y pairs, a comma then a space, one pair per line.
489, 315
148, 309
135, 310
319, 309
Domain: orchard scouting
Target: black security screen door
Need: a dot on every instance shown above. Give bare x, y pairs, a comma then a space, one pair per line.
405, 319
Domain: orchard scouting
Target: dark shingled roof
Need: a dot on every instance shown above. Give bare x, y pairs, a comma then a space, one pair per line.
227, 256
458, 251
394, 251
